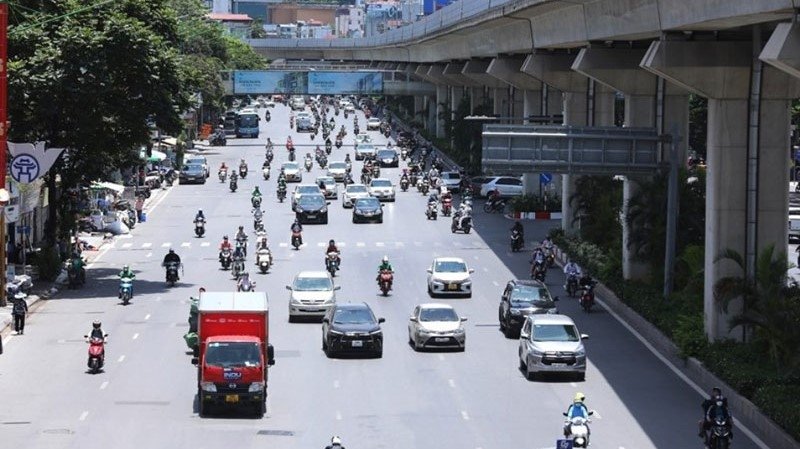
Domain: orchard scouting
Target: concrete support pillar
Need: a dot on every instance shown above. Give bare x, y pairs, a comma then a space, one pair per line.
517, 103
555, 102
500, 101
419, 106
531, 103
456, 94
575, 113
604, 101
441, 101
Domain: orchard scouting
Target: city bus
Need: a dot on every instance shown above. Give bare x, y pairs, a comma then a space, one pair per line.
247, 121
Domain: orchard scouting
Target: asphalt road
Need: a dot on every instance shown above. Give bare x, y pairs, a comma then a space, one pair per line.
475, 399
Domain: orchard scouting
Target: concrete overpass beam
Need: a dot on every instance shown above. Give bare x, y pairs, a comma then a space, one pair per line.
783, 49
453, 71
748, 136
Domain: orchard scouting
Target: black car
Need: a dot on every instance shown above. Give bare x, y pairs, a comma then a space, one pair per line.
520, 299
387, 158
367, 209
195, 173
312, 209
352, 328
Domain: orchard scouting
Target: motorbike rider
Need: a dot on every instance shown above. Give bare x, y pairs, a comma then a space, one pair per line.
576, 410
223, 168
265, 164
336, 443
297, 227
571, 269
494, 196
258, 214
224, 246
199, 217
240, 234
518, 228
713, 407
347, 158
446, 194
126, 273
333, 249
244, 279
538, 257
433, 198
384, 266
97, 331
269, 143
256, 193
171, 257
77, 263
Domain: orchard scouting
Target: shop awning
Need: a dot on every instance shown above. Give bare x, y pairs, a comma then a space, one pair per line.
109, 186
171, 141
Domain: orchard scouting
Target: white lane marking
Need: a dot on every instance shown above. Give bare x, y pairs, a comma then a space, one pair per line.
360, 244
100, 255
496, 284
335, 384
399, 244
147, 245
121, 359
283, 245
6, 340
147, 317
103, 385
205, 244
573, 384
441, 357
677, 372
185, 245
166, 244
380, 244
320, 244
464, 415
83, 415
148, 255
451, 382
338, 415
417, 243
127, 245
135, 336
342, 244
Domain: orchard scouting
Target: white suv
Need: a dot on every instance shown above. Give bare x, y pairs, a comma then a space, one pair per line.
551, 343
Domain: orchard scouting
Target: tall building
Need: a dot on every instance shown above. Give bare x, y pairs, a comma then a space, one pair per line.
383, 15
350, 21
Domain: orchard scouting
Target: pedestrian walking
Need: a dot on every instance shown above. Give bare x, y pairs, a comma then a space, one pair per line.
139, 207
18, 310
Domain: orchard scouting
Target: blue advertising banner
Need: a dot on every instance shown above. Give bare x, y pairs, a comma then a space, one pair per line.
315, 83
333, 83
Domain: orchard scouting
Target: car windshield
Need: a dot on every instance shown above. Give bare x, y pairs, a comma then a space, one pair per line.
555, 332
193, 169
311, 201
312, 284
364, 147
367, 203
450, 267
229, 355
374, 120
381, 183
527, 296
337, 166
438, 314
452, 176
353, 316
248, 120
327, 181
357, 189
308, 189
386, 154
291, 166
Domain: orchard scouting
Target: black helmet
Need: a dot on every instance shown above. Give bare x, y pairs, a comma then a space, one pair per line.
331, 242
96, 324
171, 251
241, 228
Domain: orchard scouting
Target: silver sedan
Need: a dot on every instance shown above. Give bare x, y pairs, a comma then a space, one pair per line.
436, 326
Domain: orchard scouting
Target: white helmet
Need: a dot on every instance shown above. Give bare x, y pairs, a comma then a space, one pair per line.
336, 441
385, 259
444, 190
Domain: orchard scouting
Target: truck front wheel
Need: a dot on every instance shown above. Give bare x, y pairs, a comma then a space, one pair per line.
260, 408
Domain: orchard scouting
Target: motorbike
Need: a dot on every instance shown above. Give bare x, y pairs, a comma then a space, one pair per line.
233, 185
404, 184
199, 228
258, 225
365, 178
241, 243
97, 353
328, 147
125, 290
223, 175
225, 259
376, 171
238, 268
403, 154
538, 272
172, 273
461, 223
431, 212
579, 431
269, 155
720, 437
323, 162
332, 263
385, 279
309, 165
268, 116
572, 285
424, 187
491, 206
265, 173
550, 259
517, 241
413, 179
292, 156
587, 297
246, 285
387, 133
218, 139
338, 143
263, 257
256, 202
281, 194
243, 171
297, 239
447, 207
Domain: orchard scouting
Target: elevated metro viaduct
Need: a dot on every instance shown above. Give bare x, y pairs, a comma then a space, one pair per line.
545, 57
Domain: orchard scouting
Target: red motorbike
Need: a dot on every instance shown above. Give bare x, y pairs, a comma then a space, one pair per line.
447, 206
97, 353
587, 298
385, 279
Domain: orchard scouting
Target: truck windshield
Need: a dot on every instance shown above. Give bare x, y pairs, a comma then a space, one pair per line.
248, 120
229, 355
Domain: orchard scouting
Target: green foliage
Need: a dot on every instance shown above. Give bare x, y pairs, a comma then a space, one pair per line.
533, 203
596, 202
241, 56
48, 261
690, 336
698, 124
780, 403
690, 270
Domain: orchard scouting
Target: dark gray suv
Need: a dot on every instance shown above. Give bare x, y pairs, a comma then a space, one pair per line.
352, 328
520, 299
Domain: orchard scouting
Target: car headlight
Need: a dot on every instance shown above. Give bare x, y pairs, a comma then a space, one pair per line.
294, 302
581, 352
333, 332
467, 283
256, 387
459, 331
208, 387
515, 312
376, 333
579, 441
437, 282
323, 210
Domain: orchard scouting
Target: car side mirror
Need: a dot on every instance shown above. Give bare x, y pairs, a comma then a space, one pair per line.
429, 270
195, 361
328, 203
413, 319
463, 318
564, 413
326, 321
584, 337
524, 335
471, 270
288, 287
338, 287
591, 412
381, 320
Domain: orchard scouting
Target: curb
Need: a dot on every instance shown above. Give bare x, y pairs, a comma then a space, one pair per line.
745, 411
539, 215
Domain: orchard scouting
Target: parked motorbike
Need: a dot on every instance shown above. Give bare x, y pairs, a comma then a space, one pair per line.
517, 241
125, 290
263, 257
76, 274
385, 279
431, 212
97, 353
332, 263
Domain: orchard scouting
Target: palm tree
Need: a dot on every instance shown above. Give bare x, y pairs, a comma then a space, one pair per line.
770, 304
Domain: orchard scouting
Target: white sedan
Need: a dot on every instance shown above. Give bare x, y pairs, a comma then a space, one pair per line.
373, 123
352, 193
449, 276
382, 189
292, 172
436, 326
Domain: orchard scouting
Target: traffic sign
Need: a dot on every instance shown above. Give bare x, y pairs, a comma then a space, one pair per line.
545, 178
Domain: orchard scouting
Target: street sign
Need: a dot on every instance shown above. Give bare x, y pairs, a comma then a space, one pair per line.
563, 444
545, 178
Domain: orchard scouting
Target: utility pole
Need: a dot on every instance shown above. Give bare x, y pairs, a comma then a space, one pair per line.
3, 144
